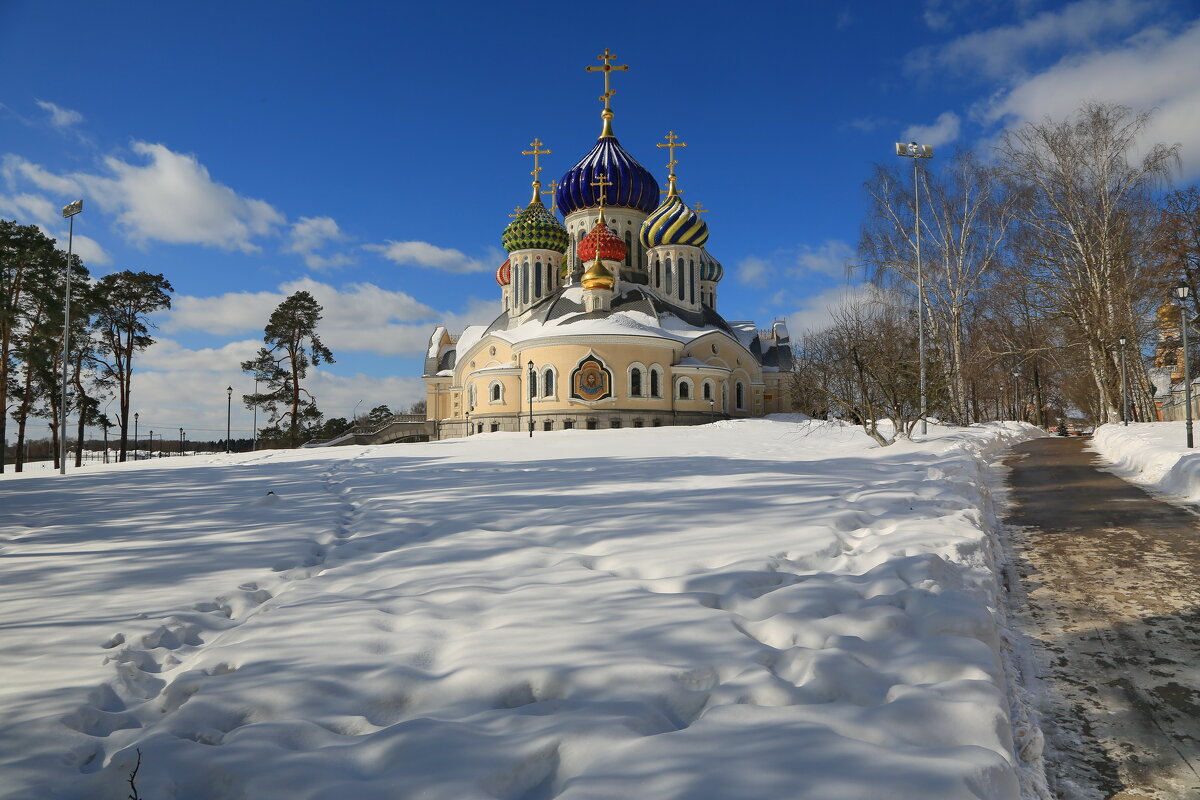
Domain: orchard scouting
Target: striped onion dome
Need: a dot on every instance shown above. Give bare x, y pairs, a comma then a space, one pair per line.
535, 228
504, 274
710, 268
632, 184
674, 223
602, 243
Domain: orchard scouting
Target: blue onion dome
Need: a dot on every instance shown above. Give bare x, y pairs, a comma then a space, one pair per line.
674, 223
710, 268
632, 184
535, 228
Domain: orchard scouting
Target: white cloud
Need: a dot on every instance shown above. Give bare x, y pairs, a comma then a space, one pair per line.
999, 51
816, 312
310, 234
943, 130
172, 198
192, 395
752, 271
167, 354
16, 170
87, 249
1156, 70
358, 317
60, 117
832, 258
29, 208
423, 254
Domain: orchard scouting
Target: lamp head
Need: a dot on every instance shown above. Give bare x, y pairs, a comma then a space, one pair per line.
229, 391
1182, 291
1121, 341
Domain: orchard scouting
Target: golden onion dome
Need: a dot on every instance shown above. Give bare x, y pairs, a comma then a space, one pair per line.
598, 277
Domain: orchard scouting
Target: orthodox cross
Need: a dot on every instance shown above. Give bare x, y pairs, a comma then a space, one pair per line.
603, 183
536, 144
553, 184
671, 144
606, 57
516, 212
699, 208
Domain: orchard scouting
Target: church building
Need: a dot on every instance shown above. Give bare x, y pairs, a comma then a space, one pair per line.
609, 316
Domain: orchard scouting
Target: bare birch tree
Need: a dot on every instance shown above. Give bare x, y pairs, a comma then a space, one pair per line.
1087, 212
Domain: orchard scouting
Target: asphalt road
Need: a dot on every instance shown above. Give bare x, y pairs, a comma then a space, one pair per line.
1110, 582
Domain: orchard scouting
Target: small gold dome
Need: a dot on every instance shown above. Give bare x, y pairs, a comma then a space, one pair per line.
598, 277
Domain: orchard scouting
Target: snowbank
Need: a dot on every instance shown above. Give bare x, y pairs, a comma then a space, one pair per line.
1154, 454
750, 609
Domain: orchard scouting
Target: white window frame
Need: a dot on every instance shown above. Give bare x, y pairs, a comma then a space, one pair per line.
496, 388
680, 383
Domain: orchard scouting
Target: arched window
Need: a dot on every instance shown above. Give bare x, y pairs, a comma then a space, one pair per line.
537, 279
679, 278
740, 395
655, 382
525, 283
471, 397
496, 392
684, 391
635, 382
708, 390
668, 271
628, 248
691, 281
548, 382
657, 274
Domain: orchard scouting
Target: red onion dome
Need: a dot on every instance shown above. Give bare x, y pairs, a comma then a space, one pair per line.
601, 243
504, 274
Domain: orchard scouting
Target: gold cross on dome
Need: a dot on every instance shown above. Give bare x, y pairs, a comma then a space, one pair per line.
536, 144
553, 184
608, 68
603, 183
516, 212
700, 209
671, 144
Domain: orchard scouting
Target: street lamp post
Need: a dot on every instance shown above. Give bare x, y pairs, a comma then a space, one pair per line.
355, 415
1018, 412
1181, 292
69, 211
532, 390
254, 440
916, 152
228, 415
135, 440
181, 441
1124, 386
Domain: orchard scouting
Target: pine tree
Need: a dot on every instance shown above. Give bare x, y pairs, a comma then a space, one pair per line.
292, 346
124, 301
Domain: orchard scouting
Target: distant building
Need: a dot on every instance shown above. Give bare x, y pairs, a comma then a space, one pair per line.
615, 307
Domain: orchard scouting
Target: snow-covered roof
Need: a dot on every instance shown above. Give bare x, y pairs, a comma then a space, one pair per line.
435, 341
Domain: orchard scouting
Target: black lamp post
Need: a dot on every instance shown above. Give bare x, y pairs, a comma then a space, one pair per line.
1018, 412
1181, 292
181, 441
1124, 386
135, 439
228, 412
532, 390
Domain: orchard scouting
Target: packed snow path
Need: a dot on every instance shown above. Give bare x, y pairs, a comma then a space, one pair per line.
751, 609
1112, 577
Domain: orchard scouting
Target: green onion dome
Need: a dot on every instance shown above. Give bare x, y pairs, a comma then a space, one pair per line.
710, 268
674, 222
535, 228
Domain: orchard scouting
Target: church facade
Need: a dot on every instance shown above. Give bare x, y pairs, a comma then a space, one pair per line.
609, 315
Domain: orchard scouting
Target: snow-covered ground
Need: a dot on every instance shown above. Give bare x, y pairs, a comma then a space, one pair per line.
1154, 454
750, 609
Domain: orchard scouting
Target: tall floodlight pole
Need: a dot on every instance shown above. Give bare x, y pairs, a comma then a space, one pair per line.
228, 415
1182, 291
916, 152
532, 389
1124, 386
69, 211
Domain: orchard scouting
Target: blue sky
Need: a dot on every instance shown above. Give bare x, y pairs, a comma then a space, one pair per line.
370, 151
